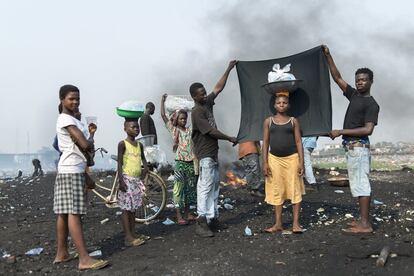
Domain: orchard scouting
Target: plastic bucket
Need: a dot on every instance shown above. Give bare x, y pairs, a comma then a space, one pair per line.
147, 140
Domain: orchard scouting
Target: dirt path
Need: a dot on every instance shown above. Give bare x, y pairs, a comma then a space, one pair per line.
27, 222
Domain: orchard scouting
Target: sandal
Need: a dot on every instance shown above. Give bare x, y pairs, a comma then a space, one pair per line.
99, 264
298, 231
182, 221
191, 217
134, 242
69, 258
144, 237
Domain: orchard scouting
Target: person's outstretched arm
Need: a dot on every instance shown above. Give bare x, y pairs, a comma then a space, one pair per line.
366, 130
334, 71
217, 134
222, 81
201, 121
163, 116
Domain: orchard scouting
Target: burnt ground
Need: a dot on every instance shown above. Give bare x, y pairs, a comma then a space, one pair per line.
27, 221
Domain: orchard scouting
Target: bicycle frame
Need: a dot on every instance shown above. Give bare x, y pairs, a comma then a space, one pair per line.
112, 198
146, 212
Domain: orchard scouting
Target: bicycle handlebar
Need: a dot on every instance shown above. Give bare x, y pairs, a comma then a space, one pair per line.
101, 150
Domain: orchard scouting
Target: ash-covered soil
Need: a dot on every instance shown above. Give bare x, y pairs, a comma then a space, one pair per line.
27, 222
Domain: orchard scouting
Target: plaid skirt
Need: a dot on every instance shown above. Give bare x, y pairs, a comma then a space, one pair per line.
70, 194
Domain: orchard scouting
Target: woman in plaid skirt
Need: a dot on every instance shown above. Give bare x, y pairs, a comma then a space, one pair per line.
69, 201
131, 189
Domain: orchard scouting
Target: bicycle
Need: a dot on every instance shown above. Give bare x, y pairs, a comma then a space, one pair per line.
153, 201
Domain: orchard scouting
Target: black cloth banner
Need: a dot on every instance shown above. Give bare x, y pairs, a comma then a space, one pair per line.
311, 103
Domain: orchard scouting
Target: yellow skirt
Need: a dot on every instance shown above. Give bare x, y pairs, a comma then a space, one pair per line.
284, 182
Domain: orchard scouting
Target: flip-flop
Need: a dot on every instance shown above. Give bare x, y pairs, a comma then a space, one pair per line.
191, 218
300, 231
99, 264
69, 258
354, 231
143, 237
182, 222
135, 242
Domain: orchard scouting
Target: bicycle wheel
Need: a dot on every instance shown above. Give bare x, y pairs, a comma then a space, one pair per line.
154, 199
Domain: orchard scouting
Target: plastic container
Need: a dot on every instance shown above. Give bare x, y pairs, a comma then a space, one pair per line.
131, 109
131, 114
147, 140
248, 231
91, 120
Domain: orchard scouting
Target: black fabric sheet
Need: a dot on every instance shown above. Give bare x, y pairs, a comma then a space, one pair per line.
311, 103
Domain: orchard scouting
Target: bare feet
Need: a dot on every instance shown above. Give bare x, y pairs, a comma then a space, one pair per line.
297, 229
354, 223
358, 228
66, 258
191, 217
274, 229
62, 259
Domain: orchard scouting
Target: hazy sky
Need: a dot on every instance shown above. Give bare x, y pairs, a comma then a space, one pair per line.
120, 50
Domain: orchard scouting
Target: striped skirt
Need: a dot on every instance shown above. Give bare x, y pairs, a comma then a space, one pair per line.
70, 194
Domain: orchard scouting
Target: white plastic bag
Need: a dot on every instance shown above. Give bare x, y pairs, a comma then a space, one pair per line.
154, 155
280, 74
132, 106
248, 231
177, 102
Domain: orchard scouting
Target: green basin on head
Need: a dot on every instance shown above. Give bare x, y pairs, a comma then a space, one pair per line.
129, 114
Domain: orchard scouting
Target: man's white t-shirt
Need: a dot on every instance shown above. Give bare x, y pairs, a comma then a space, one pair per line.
72, 159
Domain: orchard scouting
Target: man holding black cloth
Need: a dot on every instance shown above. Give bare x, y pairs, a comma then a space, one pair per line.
205, 138
360, 119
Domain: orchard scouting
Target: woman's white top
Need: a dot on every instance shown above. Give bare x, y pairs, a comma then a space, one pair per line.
72, 159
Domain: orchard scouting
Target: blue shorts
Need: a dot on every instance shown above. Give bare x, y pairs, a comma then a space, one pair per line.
358, 163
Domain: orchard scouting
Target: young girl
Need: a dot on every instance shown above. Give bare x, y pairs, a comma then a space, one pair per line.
185, 180
69, 201
283, 166
131, 189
